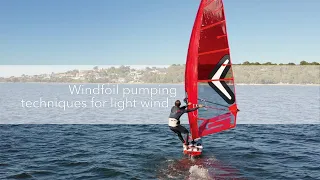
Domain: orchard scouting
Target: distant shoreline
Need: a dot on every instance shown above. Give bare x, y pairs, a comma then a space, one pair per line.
239, 84
175, 74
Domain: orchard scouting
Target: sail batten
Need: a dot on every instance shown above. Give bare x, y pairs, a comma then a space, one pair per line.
212, 25
209, 80
215, 51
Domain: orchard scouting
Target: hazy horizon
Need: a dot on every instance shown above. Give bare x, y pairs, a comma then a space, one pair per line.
18, 70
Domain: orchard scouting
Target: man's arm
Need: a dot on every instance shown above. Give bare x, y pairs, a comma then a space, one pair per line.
193, 109
185, 106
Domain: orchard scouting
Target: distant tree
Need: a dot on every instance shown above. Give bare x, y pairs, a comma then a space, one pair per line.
291, 63
111, 70
314, 63
256, 63
103, 73
269, 63
304, 63
281, 64
246, 63
124, 69
96, 68
90, 78
75, 71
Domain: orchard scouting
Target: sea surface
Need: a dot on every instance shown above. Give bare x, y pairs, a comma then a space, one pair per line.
153, 152
258, 104
277, 136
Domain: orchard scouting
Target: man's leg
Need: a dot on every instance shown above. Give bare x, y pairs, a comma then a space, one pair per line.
175, 130
180, 137
183, 130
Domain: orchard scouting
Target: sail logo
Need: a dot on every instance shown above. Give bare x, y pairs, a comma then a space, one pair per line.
218, 81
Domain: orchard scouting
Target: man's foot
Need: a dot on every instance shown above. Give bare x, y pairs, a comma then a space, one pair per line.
185, 147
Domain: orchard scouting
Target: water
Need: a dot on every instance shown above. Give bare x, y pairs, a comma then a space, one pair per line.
153, 152
270, 143
257, 104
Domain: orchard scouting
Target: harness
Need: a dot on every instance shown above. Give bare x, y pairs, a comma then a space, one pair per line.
173, 122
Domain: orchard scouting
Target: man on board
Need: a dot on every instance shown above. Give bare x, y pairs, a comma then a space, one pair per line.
174, 120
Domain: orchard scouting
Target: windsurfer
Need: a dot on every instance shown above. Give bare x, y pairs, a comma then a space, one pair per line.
174, 120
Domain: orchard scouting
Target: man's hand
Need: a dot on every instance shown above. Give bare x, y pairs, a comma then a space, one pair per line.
189, 103
200, 105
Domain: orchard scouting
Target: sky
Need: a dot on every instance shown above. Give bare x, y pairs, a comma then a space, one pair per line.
145, 32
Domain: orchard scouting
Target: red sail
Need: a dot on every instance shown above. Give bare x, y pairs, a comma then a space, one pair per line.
209, 78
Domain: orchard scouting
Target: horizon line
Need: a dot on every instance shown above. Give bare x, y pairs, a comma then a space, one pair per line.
7, 71
18, 70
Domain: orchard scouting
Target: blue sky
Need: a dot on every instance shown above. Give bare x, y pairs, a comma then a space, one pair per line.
144, 32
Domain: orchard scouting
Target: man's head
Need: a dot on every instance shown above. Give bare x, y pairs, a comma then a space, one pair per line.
177, 103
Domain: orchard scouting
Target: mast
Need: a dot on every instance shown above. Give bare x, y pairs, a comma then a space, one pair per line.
191, 72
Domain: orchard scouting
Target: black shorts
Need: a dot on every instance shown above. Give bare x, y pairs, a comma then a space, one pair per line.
179, 129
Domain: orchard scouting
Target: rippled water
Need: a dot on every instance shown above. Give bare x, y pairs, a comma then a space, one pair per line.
258, 105
140, 145
153, 152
